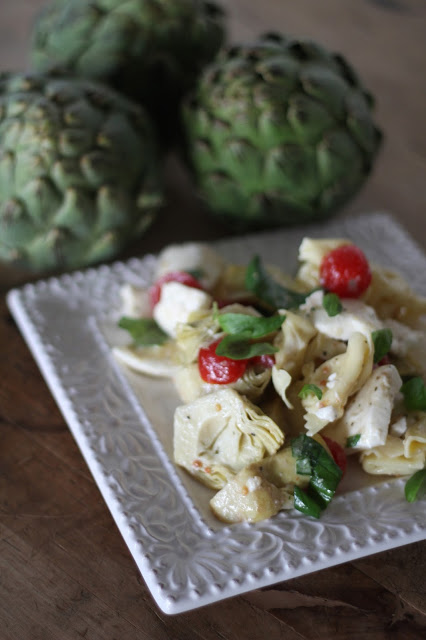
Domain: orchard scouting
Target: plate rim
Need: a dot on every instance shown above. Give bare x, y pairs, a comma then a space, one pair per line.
181, 589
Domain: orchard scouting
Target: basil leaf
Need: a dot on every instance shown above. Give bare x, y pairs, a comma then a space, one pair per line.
264, 287
325, 475
305, 504
415, 487
414, 393
239, 347
307, 389
352, 441
306, 447
253, 326
331, 303
382, 340
145, 332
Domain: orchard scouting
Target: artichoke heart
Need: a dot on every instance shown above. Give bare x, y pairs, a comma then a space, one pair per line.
260, 490
191, 386
220, 433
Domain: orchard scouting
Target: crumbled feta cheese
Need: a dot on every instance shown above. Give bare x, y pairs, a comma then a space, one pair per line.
313, 301
355, 316
176, 304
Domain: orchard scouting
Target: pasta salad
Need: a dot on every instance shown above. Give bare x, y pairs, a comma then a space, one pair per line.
281, 377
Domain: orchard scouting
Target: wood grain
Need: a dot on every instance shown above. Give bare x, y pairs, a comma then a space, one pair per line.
65, 571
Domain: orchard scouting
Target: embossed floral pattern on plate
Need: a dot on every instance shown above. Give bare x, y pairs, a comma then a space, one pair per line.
187, 559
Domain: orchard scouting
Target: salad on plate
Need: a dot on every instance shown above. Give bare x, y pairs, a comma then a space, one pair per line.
283, 377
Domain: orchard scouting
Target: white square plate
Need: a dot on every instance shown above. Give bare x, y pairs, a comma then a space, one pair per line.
123, 425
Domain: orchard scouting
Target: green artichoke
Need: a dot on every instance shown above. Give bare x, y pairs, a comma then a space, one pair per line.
79, 177
151, 50
279, 132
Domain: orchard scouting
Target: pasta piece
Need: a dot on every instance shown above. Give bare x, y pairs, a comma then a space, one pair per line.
292, 342
260, 490
391, 296
192, 257
191, 386
368, 413
322, 348
409, 346
220, 433
390, 459
338, 379
158, 361
415, 435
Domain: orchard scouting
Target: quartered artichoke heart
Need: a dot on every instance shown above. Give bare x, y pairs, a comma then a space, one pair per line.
278, 132
217, 435
79, 172
151, 50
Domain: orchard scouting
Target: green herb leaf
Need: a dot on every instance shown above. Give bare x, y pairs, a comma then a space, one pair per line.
144, 331
382, 340
325, 475
307, 389
304, 503
352, 441
239, 347
325, 478
264, 287
414, 393
331, 303
252, 326
415, 487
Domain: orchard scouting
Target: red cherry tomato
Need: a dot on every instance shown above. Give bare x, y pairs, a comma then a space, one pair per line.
174, 276
266, 361
345, 271
219, 369
338, 453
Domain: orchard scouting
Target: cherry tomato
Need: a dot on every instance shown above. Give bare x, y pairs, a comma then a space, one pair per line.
219, 369
174, 276
338, 453
266, 361
345, 271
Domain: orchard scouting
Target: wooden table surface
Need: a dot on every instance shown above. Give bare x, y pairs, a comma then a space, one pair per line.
65, 571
